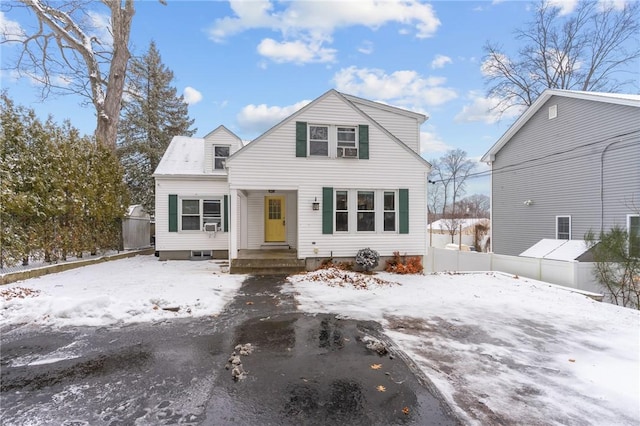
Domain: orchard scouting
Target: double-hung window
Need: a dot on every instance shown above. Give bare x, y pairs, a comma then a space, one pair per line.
342, 211
190, 215
319, 140
347, 142
389, 218
195, 213
212, 212
220, 155
563, 227
633, 228
366, 211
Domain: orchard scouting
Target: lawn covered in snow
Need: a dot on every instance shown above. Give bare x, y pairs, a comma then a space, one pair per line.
501, 349
137, 289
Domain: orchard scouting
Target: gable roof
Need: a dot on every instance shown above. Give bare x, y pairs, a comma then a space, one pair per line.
612, 98
348, 103
182, 157
222, 128
386, 107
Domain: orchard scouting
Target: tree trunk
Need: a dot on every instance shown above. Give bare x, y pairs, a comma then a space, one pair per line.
109, 110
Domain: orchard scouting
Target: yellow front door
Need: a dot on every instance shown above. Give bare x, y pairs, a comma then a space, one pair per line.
274, 219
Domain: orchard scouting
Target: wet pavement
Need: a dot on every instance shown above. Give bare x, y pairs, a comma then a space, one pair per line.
303, 370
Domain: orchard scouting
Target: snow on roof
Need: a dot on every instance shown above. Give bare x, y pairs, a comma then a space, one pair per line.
557, 249
445, 224
184, 156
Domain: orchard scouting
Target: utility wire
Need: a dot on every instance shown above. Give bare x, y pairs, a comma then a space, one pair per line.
515, 166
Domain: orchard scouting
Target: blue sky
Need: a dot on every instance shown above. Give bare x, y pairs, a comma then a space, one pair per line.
248, 65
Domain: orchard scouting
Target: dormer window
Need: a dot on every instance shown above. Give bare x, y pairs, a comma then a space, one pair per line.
220, 155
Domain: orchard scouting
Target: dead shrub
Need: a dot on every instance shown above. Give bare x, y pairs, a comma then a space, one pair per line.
403, 264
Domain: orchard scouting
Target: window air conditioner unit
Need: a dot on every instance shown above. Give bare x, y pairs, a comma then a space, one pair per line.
347, 152
211, 227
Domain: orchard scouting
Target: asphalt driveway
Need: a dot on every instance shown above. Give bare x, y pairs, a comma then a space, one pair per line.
291, 368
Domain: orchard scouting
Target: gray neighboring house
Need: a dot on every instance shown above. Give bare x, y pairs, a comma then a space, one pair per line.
569, 164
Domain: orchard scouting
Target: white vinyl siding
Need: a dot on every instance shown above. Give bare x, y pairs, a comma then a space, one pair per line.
403, 127
196, 188
272, 164
220, 137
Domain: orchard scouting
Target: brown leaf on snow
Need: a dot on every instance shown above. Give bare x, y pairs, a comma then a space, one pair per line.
381, 388
18, 292
572, 360
376, 366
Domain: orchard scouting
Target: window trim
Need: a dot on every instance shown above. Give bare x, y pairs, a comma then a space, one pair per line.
201, 200
395, 211
333, 144
328, 127
356, 142
329, 209
374, 211
336, 211
215, 157
629, 216
559, 217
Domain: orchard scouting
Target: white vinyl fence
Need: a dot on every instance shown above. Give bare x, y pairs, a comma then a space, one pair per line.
578, 275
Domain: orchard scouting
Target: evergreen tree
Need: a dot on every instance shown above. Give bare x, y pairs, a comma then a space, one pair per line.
60, 194
152, 114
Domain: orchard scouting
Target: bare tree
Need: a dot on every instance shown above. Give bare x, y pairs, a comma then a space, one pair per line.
476, 205
590, 49
450, 174
66, 54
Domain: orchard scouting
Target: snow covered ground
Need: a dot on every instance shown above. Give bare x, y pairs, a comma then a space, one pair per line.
137, 289
501, 350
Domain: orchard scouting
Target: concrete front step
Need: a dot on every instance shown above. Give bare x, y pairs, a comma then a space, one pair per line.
267, 266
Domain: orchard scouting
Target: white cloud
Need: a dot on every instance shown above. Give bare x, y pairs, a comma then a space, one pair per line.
482, 109
490, 67
295, 51
191, 95
612, 4
440, 61
565, 6
314, 22
403, 88
431, 143
260, 118
10, 31
100, 24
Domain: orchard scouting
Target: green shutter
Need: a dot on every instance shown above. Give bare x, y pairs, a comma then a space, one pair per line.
173, 213
327, 210
225, 224
363, 142
403, 198
301, 139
